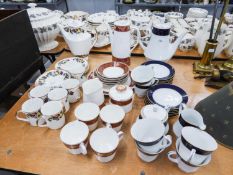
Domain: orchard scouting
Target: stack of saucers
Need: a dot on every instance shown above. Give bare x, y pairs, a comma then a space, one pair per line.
112, 73
162, 71
167, 96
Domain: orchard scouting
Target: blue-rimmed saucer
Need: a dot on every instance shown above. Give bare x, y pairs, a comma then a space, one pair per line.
162, 70
167, 95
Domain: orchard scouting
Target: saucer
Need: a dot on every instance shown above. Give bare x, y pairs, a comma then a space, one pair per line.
102, 43
72, 63
53, 78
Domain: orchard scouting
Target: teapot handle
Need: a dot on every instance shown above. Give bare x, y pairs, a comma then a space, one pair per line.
138, 34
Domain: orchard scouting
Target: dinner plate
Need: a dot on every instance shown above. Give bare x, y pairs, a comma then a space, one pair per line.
53, 78
167, 95
162, 70
72, 63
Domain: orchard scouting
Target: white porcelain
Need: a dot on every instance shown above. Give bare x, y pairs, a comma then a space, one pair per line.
197, 13
229, 49
104, 142
45, 26
88, 113
157, 112
40, 92
122, 95
31, 111
53, 114
198, 139
60, 94
112, 116
228, 18
142, 74
120, 40
146, 157
93, 91
159, 47
74, 135
80, 42
72, 87
113, 72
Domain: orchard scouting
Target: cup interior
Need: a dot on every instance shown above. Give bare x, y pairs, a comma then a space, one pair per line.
192, 116
147, 130
39, 91
104, 140
142, 74
57, 94
51, 108
32, 105
87, 111
112, 114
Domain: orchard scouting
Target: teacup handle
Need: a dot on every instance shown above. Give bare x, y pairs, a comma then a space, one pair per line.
182, 107
95, 39
83, 148
19, 118
120, 135
170, 156
108, 125
42, 125
192, 154
168, 141
155, 81
138, 34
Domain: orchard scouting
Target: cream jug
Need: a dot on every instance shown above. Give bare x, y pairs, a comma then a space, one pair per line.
159, 47
120, 38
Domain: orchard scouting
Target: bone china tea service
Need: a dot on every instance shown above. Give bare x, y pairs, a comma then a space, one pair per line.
122, 95
104, 142
74, 135
89, 114
188, 117
72, 87
31, 111
53, 114
112, 116
40, 92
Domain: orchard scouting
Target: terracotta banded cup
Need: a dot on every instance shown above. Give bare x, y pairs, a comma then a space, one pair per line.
112, 116
53, 115
74, 135
89, 114
30, 111
104, 142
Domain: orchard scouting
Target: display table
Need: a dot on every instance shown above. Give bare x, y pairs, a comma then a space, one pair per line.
39, 150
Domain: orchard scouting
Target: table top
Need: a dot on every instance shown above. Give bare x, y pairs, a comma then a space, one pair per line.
39, 150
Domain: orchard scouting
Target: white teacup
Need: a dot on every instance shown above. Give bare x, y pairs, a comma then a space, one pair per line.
140, 90
112, 116
104, 142
53, 114
196, 145
74, 135
143, 75
149, 134
89, 114
40, 92
60, 94
77, 73
31, 111
72, 86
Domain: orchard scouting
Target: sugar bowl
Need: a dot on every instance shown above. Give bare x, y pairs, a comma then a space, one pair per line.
122, 95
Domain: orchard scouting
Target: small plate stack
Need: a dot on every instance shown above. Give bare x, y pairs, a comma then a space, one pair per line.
162, 71
112, 73
97, 19
167, 96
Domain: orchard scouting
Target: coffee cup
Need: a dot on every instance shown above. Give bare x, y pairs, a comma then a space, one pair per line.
140, 90
53, 115
196, 145
40, 92
149, 134
74, 135
89, 114
188, 117
104, 142
72, 86
112, 116
143, 75
60, 94
30, 111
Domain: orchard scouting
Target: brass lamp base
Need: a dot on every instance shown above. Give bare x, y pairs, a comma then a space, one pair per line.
200, 68
227, 65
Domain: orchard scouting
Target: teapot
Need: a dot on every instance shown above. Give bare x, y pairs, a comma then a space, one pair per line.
202, 35
80, 41
159, 47
120, 38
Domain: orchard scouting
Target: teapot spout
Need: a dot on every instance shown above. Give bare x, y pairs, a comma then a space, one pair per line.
175, 45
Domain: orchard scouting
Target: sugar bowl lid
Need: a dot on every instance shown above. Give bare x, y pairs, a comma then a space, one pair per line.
154, 111
121, 93
38, 13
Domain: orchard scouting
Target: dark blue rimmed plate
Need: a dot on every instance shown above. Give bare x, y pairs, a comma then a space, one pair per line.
169, 91
168, 66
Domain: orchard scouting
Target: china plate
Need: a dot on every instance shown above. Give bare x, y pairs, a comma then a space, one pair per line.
98, 18
167, 95
162, 70
53, 78
72, 62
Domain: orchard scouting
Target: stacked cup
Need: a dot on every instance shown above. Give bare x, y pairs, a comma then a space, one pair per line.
150, 138
193, 149
143, 77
